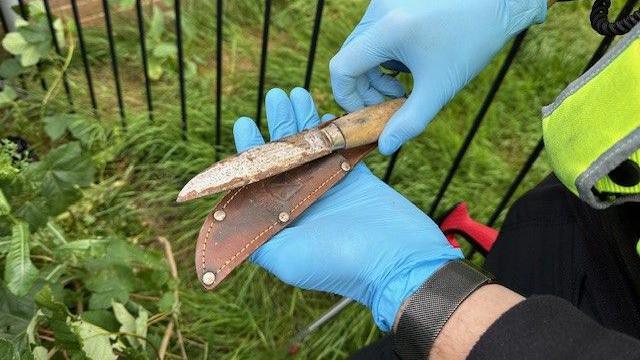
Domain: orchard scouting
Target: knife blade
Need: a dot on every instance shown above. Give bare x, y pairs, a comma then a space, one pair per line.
355, 129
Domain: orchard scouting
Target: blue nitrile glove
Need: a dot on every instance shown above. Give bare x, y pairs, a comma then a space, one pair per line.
361, 239
444, 43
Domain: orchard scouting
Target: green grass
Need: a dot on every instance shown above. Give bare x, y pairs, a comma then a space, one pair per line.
253, 315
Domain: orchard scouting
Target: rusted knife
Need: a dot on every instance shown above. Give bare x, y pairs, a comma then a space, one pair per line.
355, 129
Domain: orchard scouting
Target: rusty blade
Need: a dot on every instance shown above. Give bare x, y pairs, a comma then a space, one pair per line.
258, 163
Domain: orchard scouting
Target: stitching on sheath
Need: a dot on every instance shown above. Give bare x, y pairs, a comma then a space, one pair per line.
246, 246
206, 237
316, 190
232, 196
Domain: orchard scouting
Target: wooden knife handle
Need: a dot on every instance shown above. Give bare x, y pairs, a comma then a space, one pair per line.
364, 126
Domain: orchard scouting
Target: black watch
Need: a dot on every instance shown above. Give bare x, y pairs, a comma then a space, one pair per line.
429, 308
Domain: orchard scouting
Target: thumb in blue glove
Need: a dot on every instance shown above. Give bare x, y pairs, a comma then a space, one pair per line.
361, 239
444, 43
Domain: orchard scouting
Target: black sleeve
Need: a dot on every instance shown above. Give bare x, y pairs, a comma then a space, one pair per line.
547, 327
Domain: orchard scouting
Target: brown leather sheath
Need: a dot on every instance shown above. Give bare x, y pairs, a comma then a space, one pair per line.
247, 217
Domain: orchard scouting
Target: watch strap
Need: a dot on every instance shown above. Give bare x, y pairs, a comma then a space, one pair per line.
431, 306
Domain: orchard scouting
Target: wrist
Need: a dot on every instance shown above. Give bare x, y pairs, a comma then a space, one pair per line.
398, 288
472, 319
431, 307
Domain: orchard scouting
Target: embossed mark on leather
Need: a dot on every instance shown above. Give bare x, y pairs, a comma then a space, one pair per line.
283, 187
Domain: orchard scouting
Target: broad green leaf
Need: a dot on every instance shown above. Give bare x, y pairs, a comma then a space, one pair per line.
131, 325
5, 208
15, 312
102, 318
30, 56
67, 165
11, 68
96, 341
127, 322
66, 338
36, 8
88, 131
165, 50
33, 212
19, 271
20, 22
45, 300
39, 353
7, 96
14, 43
34, 33
56, 125
7, 350
63, 170
166, 302
141, 325
107, 285
156, 28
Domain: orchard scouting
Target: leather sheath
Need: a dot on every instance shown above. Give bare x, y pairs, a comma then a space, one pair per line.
249, 216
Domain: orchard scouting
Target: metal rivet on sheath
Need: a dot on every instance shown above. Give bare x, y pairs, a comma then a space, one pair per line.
345, 166
283, 217
208, 278
219, 215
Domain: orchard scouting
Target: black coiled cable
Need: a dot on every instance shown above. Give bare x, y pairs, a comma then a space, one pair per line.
600, 20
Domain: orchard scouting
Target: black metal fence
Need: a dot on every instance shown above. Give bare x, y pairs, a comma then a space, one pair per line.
183, 93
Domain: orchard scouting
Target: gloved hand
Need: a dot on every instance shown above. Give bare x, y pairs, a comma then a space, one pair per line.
444, 43
361, 239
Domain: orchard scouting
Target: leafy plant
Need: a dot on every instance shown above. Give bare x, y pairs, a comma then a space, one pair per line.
71, 295
31, 41
163, 50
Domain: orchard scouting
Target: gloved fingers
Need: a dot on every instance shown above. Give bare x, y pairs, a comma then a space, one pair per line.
280, 116
368, 94
246, 134
387, 85
278, 254
364, 52
410, 120
304, 109
327, 117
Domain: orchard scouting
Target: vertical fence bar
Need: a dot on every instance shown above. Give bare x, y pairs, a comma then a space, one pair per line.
25, 14
263, 59
314, 43
114, 60
56, 45
219, 14
3, 20
85, 60
599, 52
488, 100
391, 166
182, 90
145, 61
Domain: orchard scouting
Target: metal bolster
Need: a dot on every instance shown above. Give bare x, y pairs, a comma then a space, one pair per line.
333, 133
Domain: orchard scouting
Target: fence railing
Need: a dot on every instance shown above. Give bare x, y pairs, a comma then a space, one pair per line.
217, 131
